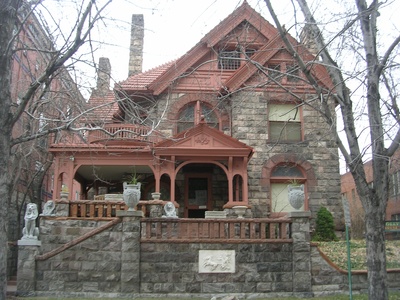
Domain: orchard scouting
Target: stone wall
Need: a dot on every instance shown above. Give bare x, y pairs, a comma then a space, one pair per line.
173, 268
248, 116
105, 258
250, 126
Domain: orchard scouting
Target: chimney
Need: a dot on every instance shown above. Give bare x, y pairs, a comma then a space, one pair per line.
307, 39
103, 75
136, 47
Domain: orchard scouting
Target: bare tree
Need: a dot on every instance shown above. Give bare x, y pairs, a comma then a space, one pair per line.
375, 73
40, 109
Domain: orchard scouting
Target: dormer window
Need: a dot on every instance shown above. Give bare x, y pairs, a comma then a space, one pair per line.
228, 60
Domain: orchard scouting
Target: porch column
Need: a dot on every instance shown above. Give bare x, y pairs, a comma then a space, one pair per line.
230, 180
245, 185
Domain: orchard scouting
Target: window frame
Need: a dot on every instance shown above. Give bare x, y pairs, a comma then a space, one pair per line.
199, 106
278, 180
274, 124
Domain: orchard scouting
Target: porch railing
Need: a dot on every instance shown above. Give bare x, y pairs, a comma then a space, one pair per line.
94, 208
125, 132
258, 230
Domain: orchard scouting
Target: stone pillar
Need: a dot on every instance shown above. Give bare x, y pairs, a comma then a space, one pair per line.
130, 251
301, 251
26, 276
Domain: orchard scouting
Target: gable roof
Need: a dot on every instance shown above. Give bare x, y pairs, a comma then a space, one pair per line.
203, 141
157, 80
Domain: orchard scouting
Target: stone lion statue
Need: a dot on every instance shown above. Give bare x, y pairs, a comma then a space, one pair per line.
49, 208
30, 231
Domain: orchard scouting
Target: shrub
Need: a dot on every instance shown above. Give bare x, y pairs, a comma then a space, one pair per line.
325, 227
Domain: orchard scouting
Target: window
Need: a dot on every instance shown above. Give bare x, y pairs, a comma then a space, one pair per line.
281, 177
394, 184
284, 122
274, 72
293, 73
229, 60
190, 115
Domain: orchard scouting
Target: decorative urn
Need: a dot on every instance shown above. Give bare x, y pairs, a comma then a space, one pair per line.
131, 195
296, 195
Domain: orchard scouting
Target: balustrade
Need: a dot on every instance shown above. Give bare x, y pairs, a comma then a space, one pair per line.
123, 132
94, 208
215, 230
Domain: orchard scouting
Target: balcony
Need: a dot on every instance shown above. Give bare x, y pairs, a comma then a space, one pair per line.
122, 133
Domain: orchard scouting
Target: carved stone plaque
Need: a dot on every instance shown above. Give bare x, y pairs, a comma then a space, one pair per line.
216, 261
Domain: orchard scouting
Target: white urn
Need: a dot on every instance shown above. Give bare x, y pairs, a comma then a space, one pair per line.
240, 211
131, 195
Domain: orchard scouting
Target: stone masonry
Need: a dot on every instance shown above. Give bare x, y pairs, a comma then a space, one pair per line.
105, 258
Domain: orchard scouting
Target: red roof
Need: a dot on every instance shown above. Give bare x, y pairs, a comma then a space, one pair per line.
101, 107
140, 82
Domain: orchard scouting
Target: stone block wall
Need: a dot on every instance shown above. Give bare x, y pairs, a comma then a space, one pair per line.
250, 126
105, 258
94, 265
173, 268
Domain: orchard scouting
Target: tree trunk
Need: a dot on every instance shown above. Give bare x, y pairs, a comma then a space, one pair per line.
8, 10
376, 256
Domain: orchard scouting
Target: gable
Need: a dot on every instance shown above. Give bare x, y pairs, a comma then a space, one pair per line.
205, 140
198, 69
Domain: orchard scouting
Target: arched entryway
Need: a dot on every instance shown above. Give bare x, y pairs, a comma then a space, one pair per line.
205, 187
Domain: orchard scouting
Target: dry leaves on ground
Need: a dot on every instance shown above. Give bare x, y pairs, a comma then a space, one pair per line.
337, 253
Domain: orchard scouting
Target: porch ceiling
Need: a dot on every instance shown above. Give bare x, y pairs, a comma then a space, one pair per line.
108, 173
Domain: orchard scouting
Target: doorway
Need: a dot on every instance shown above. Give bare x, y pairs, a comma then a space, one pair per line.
197, 195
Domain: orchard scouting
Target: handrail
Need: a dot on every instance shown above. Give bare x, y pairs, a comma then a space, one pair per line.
159, 230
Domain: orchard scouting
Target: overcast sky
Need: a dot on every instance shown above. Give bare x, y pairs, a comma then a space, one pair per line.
172, 27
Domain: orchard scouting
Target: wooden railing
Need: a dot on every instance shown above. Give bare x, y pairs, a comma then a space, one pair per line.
94, 208
215, 230
124, 132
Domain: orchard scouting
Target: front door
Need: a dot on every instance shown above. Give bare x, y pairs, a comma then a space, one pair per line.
197, 195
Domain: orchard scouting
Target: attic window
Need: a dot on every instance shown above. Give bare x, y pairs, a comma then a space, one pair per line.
229, 60
293, 73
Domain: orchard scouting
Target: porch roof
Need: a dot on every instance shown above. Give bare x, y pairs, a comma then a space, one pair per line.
203, 141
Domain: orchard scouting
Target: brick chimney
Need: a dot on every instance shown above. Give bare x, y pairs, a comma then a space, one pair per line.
103, 75
136, 47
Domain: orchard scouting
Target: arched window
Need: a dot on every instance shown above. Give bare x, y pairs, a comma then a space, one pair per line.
191, 113
282, 176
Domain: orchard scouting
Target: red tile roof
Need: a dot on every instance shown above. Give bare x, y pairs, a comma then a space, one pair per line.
101, 107
140, 82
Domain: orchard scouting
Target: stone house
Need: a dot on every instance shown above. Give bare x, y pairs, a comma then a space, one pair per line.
224, 125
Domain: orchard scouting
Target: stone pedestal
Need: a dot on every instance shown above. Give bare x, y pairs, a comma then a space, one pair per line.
301, 251
130, 254
26, 277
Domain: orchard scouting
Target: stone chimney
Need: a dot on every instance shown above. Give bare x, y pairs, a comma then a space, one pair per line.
136, 47
307, 39
103, 75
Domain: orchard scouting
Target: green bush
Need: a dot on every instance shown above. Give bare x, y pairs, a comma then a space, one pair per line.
325, 227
